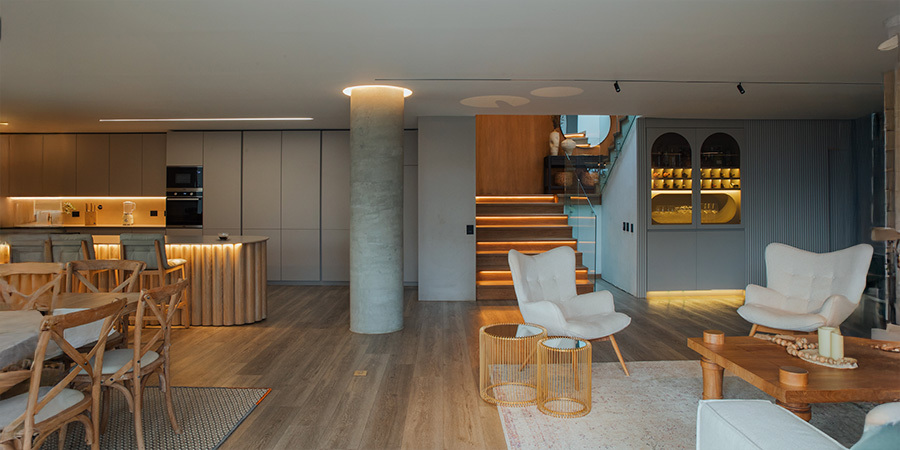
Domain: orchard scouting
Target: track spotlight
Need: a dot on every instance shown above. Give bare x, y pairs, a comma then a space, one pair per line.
740, 88
616, 85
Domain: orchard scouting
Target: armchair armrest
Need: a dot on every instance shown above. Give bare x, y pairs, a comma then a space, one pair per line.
836, 309
546, 314
763, 296
597, 302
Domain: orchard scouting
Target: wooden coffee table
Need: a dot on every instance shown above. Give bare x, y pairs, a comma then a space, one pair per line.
877, 379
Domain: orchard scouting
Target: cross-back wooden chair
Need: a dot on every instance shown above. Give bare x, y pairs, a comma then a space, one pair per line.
34, 415
78, 273
30, 285
125, 369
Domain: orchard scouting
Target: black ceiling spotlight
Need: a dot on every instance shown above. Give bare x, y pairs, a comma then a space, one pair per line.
616, 85
741, 88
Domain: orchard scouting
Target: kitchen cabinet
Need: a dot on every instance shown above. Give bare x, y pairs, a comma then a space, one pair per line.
335, 255
185, 148
222, 179
300, 180
153, 165
4, 165
336, 180
261, 182
92, 164
59, 163
273, 250
26, 174
300, 255
125, 165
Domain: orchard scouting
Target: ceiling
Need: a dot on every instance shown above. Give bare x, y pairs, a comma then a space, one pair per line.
64, 65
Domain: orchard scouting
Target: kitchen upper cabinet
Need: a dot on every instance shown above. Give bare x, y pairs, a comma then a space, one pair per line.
300, 181
185, 148
153, 165
92, 162
336, 180
26, 171
262, 194
125, 161
221, 179
4, 165
59, 165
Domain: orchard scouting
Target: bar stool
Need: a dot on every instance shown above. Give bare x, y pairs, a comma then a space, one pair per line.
29, 248
151, 249
65, 248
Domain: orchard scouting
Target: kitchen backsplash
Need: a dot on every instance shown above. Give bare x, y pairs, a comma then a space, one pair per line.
109, 211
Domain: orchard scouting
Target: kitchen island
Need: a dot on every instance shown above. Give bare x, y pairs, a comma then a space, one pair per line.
228, 277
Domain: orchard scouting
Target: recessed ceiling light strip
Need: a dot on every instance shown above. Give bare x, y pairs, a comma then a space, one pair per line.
212, 119
622, 80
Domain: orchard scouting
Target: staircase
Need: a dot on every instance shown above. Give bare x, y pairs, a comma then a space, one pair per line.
528, 223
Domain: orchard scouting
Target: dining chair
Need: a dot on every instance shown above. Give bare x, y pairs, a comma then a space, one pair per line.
71, 247
151, 249
547, 296
125, 369
27, 419
29, 248
123, 275
30, 285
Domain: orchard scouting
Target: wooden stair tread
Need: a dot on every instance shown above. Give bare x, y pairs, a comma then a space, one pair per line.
510, 283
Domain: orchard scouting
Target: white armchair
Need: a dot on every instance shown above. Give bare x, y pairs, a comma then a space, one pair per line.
806, 290
547, 296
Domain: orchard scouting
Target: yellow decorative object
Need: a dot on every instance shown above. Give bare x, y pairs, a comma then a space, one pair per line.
508, 363
564, 384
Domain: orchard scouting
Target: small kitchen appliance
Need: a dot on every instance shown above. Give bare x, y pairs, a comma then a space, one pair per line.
128, 213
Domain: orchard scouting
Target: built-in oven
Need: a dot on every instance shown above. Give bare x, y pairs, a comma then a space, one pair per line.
184, 208
184, 177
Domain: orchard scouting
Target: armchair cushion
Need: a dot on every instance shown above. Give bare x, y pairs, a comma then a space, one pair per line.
776, 318
755, 424
597, 325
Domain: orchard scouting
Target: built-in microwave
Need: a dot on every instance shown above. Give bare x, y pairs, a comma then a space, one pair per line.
184, 177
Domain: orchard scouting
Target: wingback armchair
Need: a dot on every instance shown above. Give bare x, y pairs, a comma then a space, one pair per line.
547, 296
806, 290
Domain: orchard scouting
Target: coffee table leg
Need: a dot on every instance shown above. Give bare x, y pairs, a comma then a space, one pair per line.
712, 379
801, 410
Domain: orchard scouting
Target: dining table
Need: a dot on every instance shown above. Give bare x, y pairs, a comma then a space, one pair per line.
19, 330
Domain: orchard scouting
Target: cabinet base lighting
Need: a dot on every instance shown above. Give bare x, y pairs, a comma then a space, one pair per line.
213, 119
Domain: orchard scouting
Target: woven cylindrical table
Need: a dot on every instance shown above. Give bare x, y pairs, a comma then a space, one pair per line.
564, 383
508, 363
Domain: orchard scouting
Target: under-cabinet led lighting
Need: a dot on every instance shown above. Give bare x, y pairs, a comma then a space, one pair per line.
348, 90
136, 197
213, 119
4, 123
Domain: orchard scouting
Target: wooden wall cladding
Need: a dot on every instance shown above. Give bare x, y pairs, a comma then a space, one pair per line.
509, 154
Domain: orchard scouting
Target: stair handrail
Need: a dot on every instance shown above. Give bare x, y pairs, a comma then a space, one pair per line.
626, 124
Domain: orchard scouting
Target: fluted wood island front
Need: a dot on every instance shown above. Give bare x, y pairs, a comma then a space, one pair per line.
228, 277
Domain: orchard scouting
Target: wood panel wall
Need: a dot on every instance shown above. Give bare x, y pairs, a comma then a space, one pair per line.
509, 154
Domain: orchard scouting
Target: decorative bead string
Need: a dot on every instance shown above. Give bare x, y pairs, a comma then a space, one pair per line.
793, 345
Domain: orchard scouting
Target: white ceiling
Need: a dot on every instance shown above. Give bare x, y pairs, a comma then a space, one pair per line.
65, 64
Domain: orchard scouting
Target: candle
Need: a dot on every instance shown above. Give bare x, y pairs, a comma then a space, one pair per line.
825, 340
837, 346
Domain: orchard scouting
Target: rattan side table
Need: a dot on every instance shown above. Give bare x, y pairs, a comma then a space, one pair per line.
508, 363
564, 383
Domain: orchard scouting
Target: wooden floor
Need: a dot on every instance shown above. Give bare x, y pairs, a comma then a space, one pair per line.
421, 386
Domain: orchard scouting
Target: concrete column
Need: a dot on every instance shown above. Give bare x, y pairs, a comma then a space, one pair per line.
376, 209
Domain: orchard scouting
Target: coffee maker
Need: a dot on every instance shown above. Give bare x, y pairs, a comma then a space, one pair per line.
128, 213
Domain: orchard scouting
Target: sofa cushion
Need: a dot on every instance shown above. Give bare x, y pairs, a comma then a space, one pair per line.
885, 437
755, 424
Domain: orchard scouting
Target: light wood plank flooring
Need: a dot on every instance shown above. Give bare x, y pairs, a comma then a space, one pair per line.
421, 385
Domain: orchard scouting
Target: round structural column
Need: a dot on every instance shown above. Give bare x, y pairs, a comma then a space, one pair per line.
376, 209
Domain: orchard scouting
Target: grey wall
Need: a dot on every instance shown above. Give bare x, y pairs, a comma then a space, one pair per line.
800, 188
446, 172
618, 254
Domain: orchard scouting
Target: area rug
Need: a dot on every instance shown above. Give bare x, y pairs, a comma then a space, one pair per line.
207, 417
655, 408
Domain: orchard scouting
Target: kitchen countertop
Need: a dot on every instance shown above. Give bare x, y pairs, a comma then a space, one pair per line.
203, 240
31, 226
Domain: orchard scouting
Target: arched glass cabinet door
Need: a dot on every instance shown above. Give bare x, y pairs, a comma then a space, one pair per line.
671, 180
720, 180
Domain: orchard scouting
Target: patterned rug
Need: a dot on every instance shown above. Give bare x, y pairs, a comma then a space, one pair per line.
654, 408
207, 417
